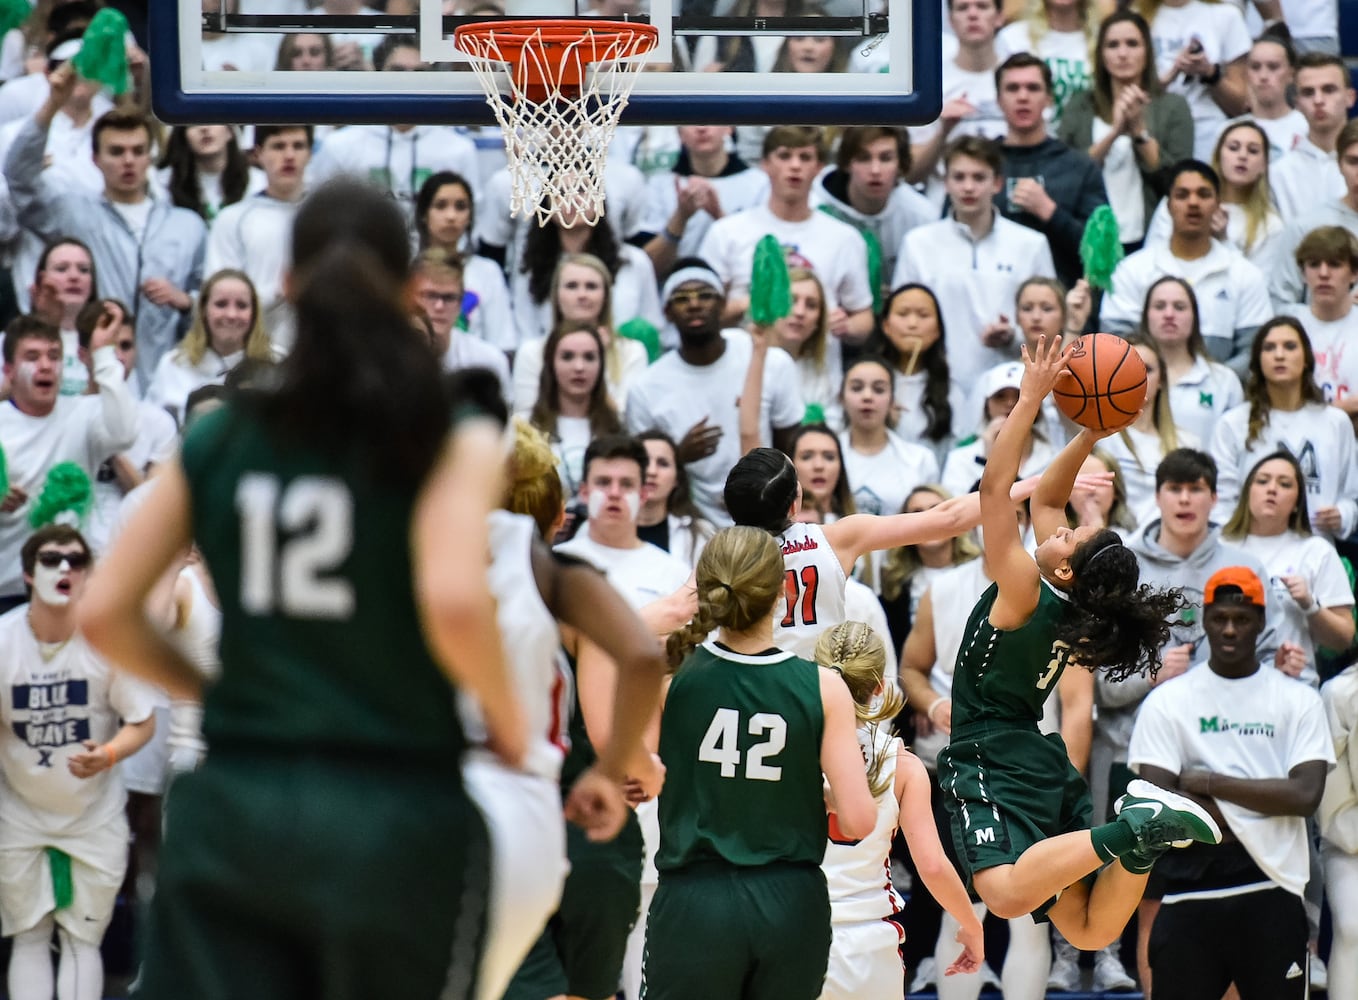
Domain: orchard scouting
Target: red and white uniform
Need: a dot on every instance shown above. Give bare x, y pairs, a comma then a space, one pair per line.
522, 808
813, 590
865, 958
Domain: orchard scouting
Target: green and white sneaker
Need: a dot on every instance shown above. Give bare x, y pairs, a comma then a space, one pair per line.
1161, 818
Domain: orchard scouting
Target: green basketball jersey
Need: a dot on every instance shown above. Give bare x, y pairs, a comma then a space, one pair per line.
740, 739
321, 645
1006, 675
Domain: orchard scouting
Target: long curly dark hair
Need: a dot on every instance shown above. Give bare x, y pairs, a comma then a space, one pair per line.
1117, 624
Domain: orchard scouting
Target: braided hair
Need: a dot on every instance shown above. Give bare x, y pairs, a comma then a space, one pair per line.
855, 652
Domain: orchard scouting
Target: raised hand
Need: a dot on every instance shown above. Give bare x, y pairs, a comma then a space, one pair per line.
1043, 367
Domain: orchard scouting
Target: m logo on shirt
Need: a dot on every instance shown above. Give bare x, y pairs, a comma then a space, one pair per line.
1221, 724
54, 714
1205, 399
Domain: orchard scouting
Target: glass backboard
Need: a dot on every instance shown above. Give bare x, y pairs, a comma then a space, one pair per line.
717, 62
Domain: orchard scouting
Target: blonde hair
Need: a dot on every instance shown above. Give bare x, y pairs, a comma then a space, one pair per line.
198, 340
814, 345
612, 352
534, 484
855, 652
1258, 203
739, 579
1162, 416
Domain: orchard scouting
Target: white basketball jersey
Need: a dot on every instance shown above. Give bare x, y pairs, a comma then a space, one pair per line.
858, 872
532, 647
813, 590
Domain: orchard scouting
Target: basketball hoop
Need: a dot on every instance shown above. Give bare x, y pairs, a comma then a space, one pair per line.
568, 80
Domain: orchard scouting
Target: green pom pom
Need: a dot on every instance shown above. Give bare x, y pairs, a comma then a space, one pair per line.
66, 494
645, 334
815, 414
103, 51
13, 13
1101, 247
770, 287
4, 474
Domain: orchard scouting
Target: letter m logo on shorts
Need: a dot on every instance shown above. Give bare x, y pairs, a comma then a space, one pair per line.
986, 836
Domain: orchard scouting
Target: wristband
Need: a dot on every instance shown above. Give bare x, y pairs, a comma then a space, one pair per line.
112, 754
1142, 137
1215, 78
930, 713
1313, 610
665, 232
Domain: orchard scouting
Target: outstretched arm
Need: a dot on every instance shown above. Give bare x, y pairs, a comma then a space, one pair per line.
857, 534
1007, 562
921, 837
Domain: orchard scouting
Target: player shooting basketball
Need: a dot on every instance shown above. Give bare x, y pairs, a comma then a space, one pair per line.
1020, 810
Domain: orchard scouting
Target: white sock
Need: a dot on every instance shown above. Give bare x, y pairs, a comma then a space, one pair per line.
30, 963
80, 970
1028, 962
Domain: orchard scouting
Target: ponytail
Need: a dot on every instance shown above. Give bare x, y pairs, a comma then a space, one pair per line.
360, 379
739, 579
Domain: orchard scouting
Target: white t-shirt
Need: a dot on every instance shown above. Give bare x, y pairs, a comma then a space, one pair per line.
255, 236
674, 395
881, 482
1321, 437
634, 296
245, 52
1335, 345
1221, 31
528, 371
1315, 560
641, 575
735, 191
157, 441
975, 281
1260, 726
987, 122
1284, 134
912, 421
1066, 53
50, 703
1138, 462
394, 161
834, 249
485, 302
962, 471
1122, 180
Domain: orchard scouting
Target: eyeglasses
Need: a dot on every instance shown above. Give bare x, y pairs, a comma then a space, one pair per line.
51, 560
441, 298
703, 298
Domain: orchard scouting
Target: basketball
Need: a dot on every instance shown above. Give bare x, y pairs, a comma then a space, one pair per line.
1105, 385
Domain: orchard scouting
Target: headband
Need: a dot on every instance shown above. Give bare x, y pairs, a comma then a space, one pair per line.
686, 274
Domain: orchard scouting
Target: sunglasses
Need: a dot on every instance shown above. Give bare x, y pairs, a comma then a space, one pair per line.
76, 560
704, 298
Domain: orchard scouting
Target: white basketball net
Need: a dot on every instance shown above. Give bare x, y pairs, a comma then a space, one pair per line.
557, 144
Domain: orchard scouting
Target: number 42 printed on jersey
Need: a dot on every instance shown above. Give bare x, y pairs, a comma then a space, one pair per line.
721, 744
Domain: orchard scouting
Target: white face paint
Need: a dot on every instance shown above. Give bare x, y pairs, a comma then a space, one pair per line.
45, 582
598, 499
24, 373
